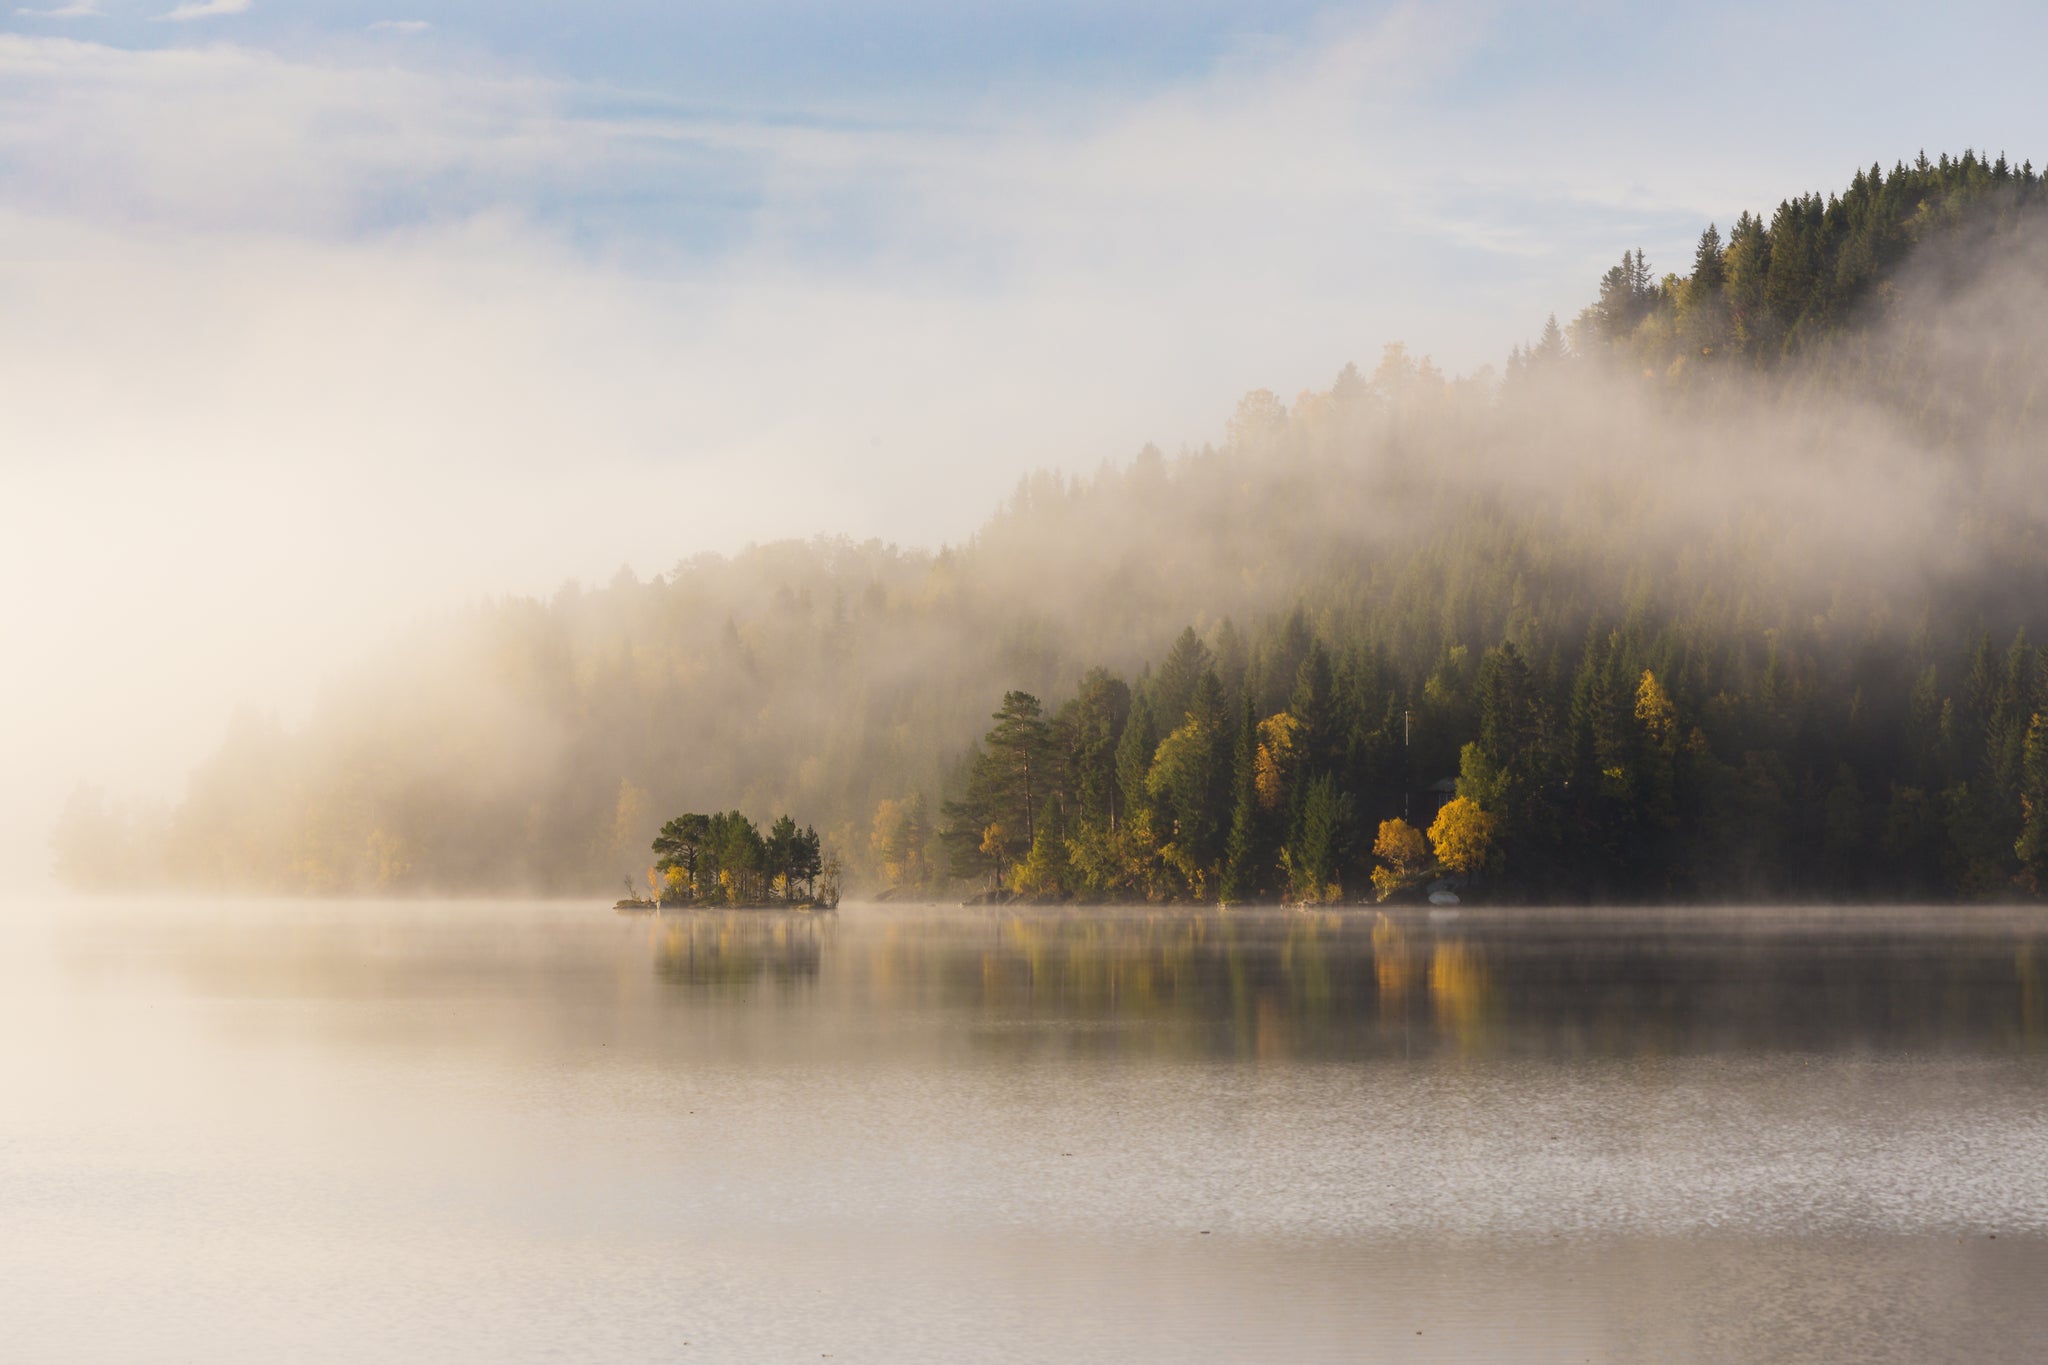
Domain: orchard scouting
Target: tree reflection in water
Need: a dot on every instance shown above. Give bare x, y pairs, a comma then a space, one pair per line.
1263, 984
740, 947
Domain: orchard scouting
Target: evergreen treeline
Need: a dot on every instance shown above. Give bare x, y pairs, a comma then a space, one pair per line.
1670, 625
1644, 761
1776, 288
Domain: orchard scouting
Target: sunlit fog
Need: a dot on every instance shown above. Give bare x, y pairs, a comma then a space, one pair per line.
319, 327
1073, 682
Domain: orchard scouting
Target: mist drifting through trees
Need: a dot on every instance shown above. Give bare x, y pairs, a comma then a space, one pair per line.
1729, 588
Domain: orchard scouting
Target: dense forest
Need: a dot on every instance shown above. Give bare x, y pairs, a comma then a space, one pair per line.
1726, 589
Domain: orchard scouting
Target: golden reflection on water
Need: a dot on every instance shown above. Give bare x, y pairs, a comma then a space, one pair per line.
1459, 989
1270, 987
1393, 966
1286, 984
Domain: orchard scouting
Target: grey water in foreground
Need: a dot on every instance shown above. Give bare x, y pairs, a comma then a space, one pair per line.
500, 1131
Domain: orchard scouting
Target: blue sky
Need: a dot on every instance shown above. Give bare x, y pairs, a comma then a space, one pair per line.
315, 317
750, 53
1453, 171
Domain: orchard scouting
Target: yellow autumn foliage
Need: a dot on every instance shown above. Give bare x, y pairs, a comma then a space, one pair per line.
1654, 711
1462, 836
1278, 743
898, 839
1401, 848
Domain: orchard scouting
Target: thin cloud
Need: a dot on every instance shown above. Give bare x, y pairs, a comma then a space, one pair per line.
218, 253
77, 9
206, 9
400, 26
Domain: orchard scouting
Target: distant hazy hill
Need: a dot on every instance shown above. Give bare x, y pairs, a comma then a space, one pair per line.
1799, 488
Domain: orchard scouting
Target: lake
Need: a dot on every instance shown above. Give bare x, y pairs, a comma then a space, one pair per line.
534, 1131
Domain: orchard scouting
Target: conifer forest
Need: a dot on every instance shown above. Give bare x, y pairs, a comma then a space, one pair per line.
1730, 587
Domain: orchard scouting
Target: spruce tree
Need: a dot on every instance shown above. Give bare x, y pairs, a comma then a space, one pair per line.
1708, 272
1241, 872
1134, 751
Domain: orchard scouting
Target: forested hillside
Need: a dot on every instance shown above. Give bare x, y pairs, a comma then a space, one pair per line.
1728, 589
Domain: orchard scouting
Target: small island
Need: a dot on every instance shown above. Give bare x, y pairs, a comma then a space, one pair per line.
723, 861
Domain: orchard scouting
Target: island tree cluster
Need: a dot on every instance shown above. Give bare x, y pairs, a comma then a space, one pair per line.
724, 859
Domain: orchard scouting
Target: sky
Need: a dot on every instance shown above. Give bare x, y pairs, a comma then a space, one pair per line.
319, 318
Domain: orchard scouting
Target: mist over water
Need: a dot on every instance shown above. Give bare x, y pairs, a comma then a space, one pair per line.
437, 451
1866, 512
309, 345
516, 1130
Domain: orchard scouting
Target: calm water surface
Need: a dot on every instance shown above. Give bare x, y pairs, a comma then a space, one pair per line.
506, 1131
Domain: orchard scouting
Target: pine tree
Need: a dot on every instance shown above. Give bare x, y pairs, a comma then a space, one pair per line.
1134, 751
1093, 723
2031, 848
1174, 685
1313, 855
1708, 269
1241, 861
1045, 873
1019, 747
